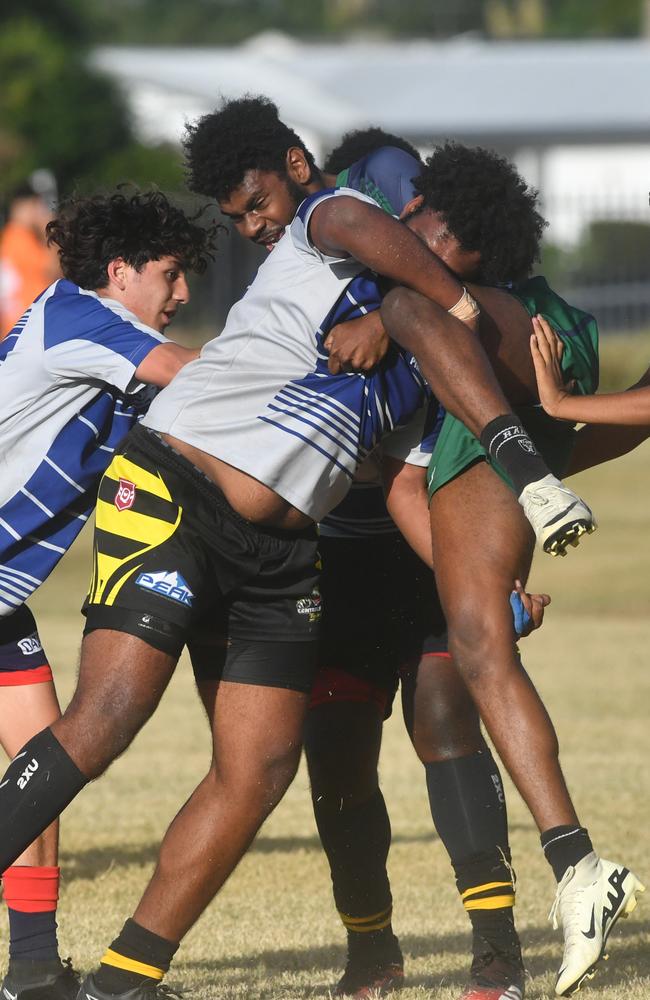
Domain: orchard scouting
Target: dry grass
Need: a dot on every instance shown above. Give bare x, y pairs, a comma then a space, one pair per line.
273, 933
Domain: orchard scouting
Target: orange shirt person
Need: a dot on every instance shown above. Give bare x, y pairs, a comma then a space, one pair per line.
27, 265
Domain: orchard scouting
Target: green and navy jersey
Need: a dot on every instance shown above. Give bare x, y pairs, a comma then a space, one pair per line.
67, 398
386, 175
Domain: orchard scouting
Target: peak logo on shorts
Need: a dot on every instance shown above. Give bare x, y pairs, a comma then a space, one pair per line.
311, 605
125, 496
168, 584
30, 645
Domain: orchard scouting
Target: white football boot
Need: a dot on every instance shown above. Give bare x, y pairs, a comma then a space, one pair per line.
558, 516
590, 899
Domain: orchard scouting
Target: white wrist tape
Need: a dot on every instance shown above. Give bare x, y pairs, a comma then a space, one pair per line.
466, 308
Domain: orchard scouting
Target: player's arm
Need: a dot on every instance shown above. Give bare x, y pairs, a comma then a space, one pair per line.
630, 408
162, 363
345, 226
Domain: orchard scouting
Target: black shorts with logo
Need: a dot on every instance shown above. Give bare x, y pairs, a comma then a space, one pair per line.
175, 564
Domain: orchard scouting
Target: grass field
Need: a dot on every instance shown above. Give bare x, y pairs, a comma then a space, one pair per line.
273, 932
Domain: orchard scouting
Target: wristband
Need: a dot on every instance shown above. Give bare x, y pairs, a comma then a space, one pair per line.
466, 308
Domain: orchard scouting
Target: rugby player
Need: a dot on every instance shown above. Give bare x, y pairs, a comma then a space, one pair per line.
371, 631
256, 196
75, 373
207, 493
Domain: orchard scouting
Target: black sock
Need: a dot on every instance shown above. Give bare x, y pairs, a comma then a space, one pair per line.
134, 944
508, 444
469, 813
356, 840
565, 846
36, 787
32, 936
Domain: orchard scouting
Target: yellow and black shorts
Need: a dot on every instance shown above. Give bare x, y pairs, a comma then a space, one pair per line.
174, 564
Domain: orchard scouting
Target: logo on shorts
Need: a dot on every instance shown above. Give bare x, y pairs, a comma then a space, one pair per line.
167, 584
311, 605
30, 645
125, 496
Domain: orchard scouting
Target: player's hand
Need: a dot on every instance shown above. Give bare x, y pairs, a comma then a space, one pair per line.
358, 345
547, 348
527, 609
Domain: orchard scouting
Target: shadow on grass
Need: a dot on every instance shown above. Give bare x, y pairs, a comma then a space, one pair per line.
630, 957
96, 862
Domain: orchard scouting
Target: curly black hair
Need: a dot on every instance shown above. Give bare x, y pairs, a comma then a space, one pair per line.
92, 231
357, 144
244, 134
487, 206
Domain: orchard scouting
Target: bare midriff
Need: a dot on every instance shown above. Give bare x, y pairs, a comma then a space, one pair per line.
246, 495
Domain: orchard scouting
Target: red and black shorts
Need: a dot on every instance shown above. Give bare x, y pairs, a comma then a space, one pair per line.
174, 564
381, 615
22, 657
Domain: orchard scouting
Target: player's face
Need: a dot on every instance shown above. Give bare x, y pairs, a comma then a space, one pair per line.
155, 292
262, 206
432, 229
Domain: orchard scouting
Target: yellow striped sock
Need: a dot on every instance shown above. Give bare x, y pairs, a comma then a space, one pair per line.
131, 965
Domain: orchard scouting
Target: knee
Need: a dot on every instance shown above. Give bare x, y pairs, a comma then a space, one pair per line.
476, 632
94, 735
257, 784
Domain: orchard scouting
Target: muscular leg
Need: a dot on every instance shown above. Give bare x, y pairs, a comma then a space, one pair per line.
121, 681
474, 572
468, 810
342, 743
257, 738
31, 885
24, 710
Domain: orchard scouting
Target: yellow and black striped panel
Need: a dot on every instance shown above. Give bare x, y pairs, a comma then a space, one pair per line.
489, 896
123, 537
363, 925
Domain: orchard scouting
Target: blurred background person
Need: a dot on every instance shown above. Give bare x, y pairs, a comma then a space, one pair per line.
27, 264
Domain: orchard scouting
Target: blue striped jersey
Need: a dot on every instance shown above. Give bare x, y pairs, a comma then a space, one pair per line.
261, 397
67, 398
385, 175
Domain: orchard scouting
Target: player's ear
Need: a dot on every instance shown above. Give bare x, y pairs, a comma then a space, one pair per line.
297, 167
412, 206
116, 270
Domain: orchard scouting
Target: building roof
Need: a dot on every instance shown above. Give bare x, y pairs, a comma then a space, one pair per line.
510, 93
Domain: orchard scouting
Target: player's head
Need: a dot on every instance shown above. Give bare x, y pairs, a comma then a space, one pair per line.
255, 166
477, 213
135, 248
357, 144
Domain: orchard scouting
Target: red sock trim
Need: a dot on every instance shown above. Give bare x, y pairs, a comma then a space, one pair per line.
36, 675
31, 889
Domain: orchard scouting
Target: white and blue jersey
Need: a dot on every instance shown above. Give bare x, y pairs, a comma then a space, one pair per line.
261, 397
386, 175
67, 398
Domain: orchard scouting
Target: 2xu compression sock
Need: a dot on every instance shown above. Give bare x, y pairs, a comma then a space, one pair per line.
469, 813
356, 840
36, 787
31, 895
507, 442
135, 955
565, 846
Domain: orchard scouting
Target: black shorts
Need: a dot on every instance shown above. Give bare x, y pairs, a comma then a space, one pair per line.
381, 614
175, 564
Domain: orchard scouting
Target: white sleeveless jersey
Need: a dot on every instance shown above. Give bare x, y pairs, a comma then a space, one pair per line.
261, 398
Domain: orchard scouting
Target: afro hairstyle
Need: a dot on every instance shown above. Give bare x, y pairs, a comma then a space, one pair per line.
487, 206
244, 134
